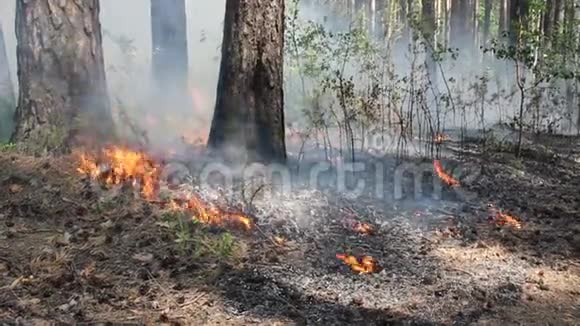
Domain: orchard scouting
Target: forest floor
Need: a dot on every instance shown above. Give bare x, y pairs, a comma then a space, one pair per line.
69, 256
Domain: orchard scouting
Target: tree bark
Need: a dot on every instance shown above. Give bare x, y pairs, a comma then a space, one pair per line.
503, 10
460, 33
429, 29
170, 60
518, 19
63, 96
486, 21
6, 87
548, 18
249, 112
7, 101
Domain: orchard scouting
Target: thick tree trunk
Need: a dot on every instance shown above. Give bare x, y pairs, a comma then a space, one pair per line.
170, 60
62, 89
7, 101
249, 112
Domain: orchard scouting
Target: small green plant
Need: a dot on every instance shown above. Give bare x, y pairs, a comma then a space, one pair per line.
193, 239
7, 147
225, 245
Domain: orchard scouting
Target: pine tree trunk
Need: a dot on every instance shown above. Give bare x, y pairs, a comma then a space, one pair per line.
170, 60
7, 100
63, 96
249, 113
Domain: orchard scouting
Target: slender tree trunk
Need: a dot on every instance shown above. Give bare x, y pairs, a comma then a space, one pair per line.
557, 13
249, 113
429, 26
487, 21
446, 24
404, 17
7, 101
518, 19
6, 87
62, 88
503, 10
548, 18
459, 21
170, 60
474, 26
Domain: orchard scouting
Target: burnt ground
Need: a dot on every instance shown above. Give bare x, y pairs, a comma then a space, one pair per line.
70, 255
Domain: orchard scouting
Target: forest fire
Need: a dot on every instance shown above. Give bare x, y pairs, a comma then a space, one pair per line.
499, 218
365, 265
363, 228
210, 214
448, 179
117, 165
502, 219
440, 138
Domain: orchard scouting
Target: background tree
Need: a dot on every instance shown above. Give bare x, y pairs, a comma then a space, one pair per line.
428, 27
488, 5
250, 101
170, 60
62, 87
6, 91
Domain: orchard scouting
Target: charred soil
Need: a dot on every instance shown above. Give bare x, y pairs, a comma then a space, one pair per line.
72, 255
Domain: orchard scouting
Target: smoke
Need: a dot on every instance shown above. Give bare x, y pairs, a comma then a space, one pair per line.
126, 27
127, 46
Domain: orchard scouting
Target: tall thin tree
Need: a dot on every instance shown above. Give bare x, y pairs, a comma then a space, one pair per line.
249, 112
6, 91
61, 75
428, 27
169, 41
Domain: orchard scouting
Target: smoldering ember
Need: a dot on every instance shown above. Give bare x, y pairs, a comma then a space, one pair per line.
289, 162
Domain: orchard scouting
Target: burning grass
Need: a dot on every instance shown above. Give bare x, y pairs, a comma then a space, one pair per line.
440, 138
502, 219
448, 179
364, 265
208, 213
118, 165
364, 228
121, 165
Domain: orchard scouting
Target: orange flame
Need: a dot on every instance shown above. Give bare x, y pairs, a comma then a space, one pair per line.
363, 228
449, 180
365, 265
117, 165
506, 219
210, 214
440, 138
